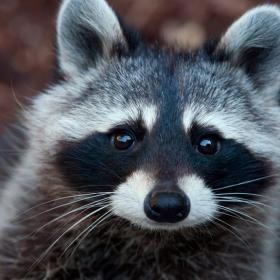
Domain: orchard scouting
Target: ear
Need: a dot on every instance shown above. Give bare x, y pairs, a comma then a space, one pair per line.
87, 31
253, 42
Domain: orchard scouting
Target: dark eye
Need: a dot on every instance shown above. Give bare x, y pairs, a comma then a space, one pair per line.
208, 145
123, 140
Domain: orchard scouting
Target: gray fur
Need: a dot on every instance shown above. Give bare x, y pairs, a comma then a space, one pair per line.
87, 31
108, 89
254, 41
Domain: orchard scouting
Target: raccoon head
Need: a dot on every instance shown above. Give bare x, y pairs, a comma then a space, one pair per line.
174, 139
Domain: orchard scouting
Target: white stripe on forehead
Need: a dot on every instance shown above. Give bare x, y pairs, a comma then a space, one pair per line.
82, 121
149, 116
232, 126
220, 120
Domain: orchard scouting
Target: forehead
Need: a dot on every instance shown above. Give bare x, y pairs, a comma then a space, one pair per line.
166, 86
169, 79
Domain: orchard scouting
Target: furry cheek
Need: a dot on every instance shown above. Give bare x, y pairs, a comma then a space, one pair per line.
203, 204
127, 201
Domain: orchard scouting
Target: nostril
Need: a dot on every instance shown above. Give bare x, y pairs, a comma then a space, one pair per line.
167, 207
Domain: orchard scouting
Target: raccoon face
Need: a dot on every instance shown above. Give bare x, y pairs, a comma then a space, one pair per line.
175, 140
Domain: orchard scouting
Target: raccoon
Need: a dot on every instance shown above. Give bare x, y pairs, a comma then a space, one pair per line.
145, 163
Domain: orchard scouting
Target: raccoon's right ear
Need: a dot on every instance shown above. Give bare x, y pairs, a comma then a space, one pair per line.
253, 43
87, 31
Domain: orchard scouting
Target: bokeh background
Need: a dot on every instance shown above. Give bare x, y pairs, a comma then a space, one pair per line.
27, 36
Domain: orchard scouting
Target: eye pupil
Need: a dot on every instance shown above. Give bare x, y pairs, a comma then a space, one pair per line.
207, 146
122, 140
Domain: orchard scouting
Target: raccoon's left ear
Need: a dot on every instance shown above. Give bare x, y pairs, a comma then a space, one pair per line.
87, 31
253, 42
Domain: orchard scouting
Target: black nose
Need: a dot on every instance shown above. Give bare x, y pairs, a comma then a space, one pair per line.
167, 207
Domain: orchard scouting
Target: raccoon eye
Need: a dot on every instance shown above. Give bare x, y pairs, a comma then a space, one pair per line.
208, 145
123, 140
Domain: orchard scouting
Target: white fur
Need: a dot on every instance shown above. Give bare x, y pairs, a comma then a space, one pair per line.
188, 118
149, 115
82, 122
15, 193
128, 201
203, 204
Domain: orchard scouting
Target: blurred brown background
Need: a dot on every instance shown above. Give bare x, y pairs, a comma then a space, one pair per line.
27, 34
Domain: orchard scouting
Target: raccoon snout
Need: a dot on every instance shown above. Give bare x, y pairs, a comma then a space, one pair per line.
167, 207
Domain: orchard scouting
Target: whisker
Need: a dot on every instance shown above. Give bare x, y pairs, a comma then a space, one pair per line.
87, 230
246, 182
245, 204
227, 214
47, 251
68, 222
241, 193
232, 215
250, 202
63, 205
84, 207
233, 231
253, 220
104, 203
65, 197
